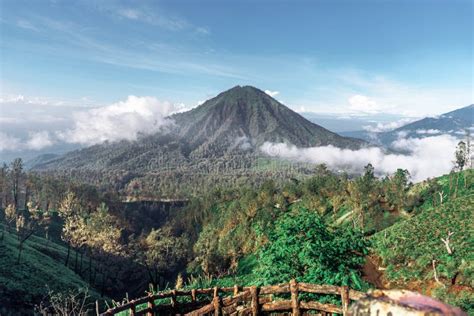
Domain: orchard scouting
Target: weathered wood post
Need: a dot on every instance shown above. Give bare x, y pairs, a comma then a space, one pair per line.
193, 295
295, 304
236, 290
254, 304
173, 301
345, 299
150, 305
217, 302
132, 309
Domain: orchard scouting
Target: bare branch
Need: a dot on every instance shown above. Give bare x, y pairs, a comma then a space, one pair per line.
446, 242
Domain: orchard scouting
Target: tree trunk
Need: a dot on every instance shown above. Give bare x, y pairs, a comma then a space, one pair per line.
90, 268
20, 248
80, 264
75, 262
104, 281
68, 253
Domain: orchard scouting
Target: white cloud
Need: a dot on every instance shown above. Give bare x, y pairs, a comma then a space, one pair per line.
8, 142
27, 25
428, 131
39, 140
129, 13
242, 142
364, 104
427, 157
384, 127
35, 141
124, 120
272, 93
150, 16
12, 98
203, 30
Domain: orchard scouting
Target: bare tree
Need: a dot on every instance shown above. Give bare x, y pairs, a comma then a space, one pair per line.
25, 229
67, 303
446, 242
436, 274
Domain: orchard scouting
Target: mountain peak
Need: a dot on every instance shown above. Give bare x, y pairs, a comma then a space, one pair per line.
246, 112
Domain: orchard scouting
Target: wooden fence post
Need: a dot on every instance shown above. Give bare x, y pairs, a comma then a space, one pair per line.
173, 300
217, 302
345, 299
150, 305
295, 304
217, 306
236, 290
254, 304
193, 295
132, 309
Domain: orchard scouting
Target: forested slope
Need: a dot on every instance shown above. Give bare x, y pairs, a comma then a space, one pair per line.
439, 239
25, 281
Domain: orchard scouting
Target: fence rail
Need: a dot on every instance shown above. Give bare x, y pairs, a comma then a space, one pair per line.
240, 301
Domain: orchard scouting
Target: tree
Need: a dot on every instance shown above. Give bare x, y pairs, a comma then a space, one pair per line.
69, 211
303, 247
161, 253
4, 185
396, 187
25, 227
461, 156
363, 195
16, 174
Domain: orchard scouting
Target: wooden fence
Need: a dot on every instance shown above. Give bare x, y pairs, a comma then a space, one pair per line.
240, 301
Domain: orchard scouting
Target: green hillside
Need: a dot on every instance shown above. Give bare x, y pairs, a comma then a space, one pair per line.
41, 269
407, 249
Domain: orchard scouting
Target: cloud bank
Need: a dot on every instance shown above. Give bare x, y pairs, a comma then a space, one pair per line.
427, 157
385, 127
124, 120
35, 141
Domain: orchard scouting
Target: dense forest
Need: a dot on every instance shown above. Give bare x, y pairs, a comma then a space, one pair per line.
323, 227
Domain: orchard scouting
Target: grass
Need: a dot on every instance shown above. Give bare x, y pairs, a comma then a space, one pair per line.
41, 269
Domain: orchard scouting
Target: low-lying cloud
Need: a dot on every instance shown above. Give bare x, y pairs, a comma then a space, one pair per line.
124, 120
35, 141
427, 157
385, 127
272, 93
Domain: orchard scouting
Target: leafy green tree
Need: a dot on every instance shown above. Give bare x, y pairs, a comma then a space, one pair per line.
364, 195
303, 247
396, 188
161, 253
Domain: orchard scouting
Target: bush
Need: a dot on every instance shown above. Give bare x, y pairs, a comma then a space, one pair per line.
303, 247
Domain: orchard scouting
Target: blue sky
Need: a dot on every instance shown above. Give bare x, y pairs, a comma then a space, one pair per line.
407, 57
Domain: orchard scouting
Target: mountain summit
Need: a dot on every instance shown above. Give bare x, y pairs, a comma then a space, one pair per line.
249, 116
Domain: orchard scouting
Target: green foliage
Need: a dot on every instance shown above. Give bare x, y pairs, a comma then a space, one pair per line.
409, 247
303, 247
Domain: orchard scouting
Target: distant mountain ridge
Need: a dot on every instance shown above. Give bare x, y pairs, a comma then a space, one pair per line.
238, 121
454, 123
